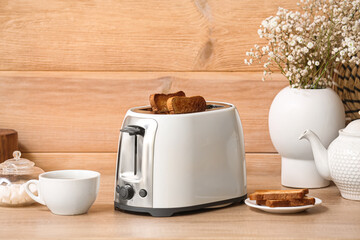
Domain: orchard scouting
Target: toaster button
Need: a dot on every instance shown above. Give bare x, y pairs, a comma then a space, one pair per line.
142, 193
126, 192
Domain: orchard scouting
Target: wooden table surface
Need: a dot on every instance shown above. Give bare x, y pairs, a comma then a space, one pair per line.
336, 218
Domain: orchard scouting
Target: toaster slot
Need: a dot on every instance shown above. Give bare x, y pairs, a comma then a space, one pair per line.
210, 106
135, 138
134, 168
213, 106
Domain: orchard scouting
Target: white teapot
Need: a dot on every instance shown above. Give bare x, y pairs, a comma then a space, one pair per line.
341, 162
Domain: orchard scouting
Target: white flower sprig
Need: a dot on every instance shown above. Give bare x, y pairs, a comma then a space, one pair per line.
308, 45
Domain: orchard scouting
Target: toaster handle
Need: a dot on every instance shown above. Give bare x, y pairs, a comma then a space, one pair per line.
133, 130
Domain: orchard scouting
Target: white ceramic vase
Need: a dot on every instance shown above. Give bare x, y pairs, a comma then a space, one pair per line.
292, 111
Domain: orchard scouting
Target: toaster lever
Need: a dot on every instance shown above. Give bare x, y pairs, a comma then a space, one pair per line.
133, 130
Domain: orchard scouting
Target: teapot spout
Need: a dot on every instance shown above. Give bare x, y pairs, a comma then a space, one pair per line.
320, 153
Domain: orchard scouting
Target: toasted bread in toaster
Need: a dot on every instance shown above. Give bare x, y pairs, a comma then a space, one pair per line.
177, 105
278, 194
158, 101
287, 203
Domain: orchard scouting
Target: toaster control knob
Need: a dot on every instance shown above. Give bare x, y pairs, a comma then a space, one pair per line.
126, 192
143, 193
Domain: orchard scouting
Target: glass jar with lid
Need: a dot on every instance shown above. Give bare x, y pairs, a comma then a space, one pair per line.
13, 174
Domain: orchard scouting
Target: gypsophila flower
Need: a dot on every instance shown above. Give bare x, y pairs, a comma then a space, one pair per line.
344, 20
305, 50
264, 24
274, 22
307, 45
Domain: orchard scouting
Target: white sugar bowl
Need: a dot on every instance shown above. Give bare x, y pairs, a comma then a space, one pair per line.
341, 162
14, 173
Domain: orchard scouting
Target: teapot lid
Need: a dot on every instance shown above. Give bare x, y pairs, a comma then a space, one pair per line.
353, 128
17, 165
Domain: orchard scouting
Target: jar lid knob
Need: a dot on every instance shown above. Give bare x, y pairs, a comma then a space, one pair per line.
17, 155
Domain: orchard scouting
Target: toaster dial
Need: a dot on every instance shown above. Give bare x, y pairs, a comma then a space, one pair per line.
126, 192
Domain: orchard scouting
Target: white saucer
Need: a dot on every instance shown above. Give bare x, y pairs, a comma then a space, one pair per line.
252, 203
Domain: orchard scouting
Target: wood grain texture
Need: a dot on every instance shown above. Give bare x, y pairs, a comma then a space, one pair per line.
8, 143
105, 163
336, 218
142, 35
83, 111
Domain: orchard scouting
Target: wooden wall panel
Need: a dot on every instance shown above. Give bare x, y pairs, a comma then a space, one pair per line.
142, 35
83, 111
105, 163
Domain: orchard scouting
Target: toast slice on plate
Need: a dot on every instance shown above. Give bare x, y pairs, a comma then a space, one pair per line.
287, 203
178, 105
278, 194
158, 101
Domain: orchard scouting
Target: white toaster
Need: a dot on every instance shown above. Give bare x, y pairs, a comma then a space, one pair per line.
169, 163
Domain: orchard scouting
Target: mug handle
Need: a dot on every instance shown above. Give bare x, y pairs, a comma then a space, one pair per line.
36, 198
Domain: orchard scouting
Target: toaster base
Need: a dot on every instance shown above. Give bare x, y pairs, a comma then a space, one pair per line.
167, 212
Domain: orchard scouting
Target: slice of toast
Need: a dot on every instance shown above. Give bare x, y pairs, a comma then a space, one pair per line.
287, 203
177, 105
158, 101
278, 194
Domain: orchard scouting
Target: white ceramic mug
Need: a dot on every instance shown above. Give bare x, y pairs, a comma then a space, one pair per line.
66, 192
